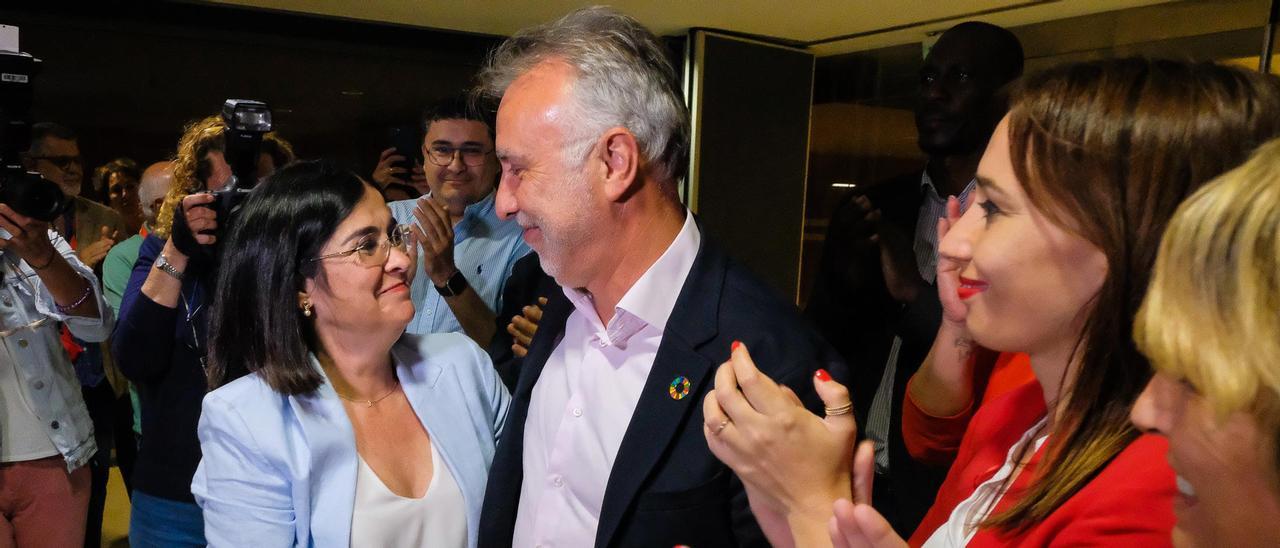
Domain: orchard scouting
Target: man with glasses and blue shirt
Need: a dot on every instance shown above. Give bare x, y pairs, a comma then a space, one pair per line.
465, 252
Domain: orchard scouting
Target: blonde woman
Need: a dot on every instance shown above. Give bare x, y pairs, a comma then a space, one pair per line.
1211, 327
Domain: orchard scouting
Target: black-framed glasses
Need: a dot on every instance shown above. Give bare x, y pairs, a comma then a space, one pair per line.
372, 252
61, 162
443, 155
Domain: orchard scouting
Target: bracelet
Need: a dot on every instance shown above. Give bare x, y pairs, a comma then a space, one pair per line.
46, 264
88, 288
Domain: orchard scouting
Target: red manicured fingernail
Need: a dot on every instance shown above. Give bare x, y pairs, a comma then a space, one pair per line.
823, 375
735, 345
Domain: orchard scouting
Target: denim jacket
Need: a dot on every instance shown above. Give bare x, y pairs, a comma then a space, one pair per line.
30, 339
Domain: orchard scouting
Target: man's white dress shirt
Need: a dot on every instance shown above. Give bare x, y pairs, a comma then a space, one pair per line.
583, 401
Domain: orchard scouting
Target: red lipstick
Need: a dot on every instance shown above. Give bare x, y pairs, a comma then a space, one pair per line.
970, 287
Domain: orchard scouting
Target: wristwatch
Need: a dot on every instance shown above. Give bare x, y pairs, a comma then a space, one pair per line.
454, 286
163, 264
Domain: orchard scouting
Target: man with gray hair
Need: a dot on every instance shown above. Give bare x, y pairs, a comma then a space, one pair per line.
604, 443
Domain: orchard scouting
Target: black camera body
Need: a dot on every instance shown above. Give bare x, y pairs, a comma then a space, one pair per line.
26, 192
247, 121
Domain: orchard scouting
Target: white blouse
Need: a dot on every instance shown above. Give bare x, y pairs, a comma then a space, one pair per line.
383, 518
963, 522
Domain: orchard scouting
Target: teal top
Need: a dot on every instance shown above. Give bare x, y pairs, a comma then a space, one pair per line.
116, 269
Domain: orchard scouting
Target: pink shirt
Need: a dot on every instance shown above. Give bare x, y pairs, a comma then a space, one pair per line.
583, 401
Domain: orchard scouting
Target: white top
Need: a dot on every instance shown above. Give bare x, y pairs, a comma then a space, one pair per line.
22, 437
382, 518
40, 383
583, 401
963, 523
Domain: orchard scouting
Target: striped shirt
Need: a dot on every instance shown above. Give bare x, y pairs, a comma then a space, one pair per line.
932, 208
485, 248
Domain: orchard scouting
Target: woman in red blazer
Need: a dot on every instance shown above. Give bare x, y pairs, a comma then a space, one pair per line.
1073, 193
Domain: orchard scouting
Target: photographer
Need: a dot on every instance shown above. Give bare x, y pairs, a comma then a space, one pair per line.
91, 229
46, 437
161, 341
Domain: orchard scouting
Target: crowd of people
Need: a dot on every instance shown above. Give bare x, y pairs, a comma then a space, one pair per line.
1062, 330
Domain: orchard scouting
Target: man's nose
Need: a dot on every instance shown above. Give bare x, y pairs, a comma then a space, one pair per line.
505, 200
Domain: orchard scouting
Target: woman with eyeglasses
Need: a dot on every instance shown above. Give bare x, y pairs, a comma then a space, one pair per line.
341, 429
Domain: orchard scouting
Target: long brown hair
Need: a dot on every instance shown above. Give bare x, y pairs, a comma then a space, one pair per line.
1107, 150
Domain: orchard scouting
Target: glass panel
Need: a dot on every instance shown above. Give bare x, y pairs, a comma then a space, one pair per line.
863, 131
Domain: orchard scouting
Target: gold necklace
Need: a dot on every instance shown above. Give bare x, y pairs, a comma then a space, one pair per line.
369, 403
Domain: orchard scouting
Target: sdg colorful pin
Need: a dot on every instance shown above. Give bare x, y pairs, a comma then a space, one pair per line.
679, 388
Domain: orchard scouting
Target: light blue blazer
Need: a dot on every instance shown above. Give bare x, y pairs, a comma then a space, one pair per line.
281, 470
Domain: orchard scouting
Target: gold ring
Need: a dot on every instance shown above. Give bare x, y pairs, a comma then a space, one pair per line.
842, 410
721, 428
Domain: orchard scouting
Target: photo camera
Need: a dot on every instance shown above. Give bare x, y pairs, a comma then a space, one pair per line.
25, 191
246, 122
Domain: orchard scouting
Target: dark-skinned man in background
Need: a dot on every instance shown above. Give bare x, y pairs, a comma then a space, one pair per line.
874, 297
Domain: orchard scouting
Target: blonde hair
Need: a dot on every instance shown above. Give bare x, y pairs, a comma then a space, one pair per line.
190, 166
1212, 314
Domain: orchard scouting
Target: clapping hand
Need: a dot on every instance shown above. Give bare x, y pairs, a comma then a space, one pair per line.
793, 463
434, 232
897, 254
95, 252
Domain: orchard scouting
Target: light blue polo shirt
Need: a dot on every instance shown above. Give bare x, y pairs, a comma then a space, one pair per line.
485, 248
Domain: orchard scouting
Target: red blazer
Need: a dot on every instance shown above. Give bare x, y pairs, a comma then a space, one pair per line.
1129, 503
936, 440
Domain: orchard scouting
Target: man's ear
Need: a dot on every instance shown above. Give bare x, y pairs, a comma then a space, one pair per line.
620, 155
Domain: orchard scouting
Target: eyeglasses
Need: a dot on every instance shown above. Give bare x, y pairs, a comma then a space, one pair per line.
60, 162
372, 252
442, 155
